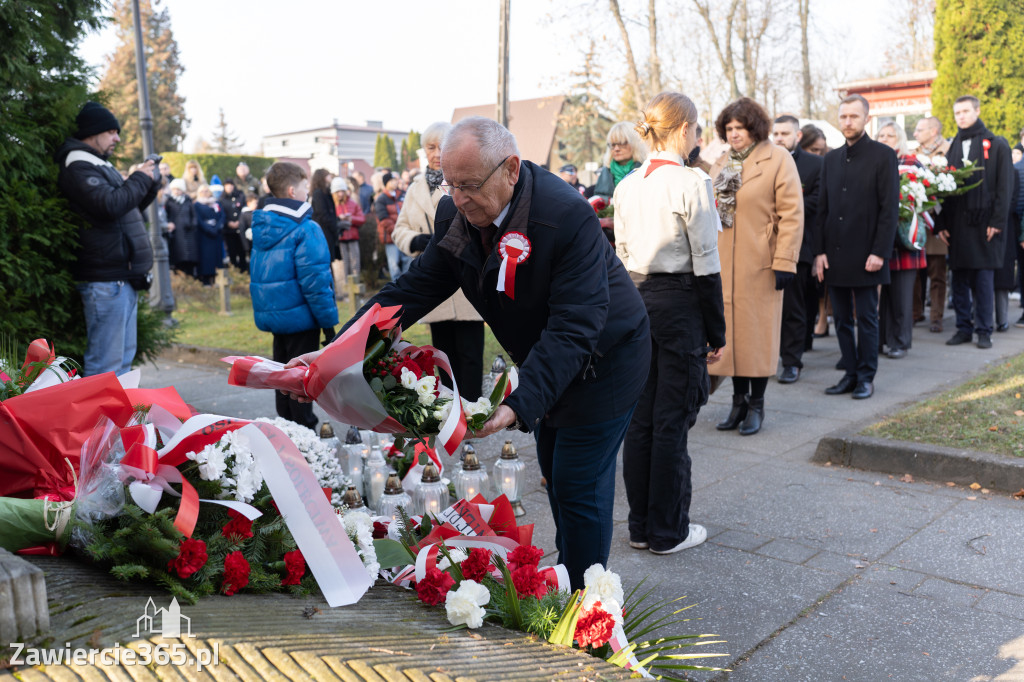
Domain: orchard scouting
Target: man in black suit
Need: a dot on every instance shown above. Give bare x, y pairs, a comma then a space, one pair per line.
800, 297
854, 238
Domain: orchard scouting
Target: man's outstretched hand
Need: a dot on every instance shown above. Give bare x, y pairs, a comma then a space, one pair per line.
301, 361
502, 418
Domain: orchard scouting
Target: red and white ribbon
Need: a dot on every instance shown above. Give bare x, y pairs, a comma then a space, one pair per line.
514, 249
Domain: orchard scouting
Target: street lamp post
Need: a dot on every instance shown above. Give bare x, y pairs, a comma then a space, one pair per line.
160, 296
503, 64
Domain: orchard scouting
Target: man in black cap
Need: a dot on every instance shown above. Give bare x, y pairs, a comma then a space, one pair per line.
568, 173
114, 257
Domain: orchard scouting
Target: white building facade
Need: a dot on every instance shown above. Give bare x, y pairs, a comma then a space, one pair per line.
338, 148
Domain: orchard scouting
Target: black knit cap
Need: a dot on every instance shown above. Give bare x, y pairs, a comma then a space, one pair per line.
94, 119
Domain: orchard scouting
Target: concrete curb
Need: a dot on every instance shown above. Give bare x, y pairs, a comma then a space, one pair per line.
929, 462
198, 355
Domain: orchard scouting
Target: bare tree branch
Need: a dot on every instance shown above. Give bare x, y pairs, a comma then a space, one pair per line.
634, 75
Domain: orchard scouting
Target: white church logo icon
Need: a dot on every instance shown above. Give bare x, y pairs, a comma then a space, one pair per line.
166, 622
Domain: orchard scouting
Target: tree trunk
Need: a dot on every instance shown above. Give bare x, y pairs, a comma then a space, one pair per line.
634, 75
653, 61
722, 45
804, 11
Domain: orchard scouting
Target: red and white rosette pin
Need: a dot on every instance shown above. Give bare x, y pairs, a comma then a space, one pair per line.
514, 249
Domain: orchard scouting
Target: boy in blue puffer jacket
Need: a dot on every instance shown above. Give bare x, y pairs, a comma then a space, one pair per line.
292, 288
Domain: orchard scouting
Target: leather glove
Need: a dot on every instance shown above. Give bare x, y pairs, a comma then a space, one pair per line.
328, 335
782, 279
419, 242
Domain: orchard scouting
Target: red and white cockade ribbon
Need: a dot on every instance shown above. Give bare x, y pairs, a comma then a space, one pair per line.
514, 249
151, 479
986, 145
618, 642
325, 545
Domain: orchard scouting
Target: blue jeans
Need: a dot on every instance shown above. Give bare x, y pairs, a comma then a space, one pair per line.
973, 300
111, 309
398, 262
579, 465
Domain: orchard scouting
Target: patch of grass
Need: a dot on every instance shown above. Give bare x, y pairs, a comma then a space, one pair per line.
201, 324
986, 413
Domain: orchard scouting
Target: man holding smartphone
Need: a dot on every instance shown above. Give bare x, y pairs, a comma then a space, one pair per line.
115, 257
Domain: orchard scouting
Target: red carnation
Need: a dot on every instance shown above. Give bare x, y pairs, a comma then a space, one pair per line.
238, 528
236, 573
191, 557
477, 564
594, 627
379, 530
425, 361
434, 586
524, 555
409, 365
295, 564
528, 581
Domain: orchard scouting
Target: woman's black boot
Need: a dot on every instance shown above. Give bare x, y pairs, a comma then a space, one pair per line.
755, 415
736, 415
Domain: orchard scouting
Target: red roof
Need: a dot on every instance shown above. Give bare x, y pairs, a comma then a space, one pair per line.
532, 121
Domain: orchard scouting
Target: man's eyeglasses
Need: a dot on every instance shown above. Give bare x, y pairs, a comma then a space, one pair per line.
471, 189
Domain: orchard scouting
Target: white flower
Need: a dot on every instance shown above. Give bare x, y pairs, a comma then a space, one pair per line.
359, 528
464, 606
939, 160
458, 556
608, 605
214, 466
604, 584
442, 412
408, 379
481, 406
425, 390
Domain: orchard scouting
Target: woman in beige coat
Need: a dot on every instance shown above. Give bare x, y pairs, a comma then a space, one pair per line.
761, 205
455, 327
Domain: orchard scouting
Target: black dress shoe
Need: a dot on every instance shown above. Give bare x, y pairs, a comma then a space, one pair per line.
816, 335
897, 353
958, 338
1005, 326
789, 375
845, 385
865, 389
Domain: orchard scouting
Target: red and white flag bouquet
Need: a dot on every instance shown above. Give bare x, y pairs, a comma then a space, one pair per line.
370, 378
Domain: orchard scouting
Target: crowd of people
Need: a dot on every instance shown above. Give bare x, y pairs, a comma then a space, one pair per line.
716, 267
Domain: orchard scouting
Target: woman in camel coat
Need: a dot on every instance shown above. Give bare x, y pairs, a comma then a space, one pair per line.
761, 204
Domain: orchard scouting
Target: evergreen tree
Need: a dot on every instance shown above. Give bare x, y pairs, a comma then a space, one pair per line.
978, 52
384, 155
405, 154
584, 120
163, 68
413, 143
44, 84
225, 141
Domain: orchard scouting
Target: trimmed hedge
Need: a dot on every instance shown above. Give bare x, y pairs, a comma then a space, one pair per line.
217, 164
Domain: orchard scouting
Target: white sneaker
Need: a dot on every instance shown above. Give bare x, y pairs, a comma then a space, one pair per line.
697, 535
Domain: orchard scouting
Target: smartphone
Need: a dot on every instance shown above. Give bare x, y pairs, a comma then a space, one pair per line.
155, 158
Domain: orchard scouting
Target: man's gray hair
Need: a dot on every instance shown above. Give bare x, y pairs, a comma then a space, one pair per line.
493, 139
435, 132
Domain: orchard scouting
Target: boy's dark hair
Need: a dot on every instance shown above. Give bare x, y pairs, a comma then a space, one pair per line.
283, 175
787, 118
250, 196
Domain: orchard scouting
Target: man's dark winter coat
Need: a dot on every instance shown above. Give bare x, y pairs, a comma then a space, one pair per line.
857, 212
182, 242
966, 217
577, 329
115, 245
809, 167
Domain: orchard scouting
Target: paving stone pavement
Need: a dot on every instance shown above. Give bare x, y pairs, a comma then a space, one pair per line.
810, 572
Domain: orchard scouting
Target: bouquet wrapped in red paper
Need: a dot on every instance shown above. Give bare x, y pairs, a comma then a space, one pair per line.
370, 378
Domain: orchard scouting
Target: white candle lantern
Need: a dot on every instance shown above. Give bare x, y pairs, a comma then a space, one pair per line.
508, 477
375, 474
431, 496
472, 479
393, 498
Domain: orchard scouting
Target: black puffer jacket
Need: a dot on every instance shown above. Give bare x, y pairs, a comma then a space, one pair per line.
115, 245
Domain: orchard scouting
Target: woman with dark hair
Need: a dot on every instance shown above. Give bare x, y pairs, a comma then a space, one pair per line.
325, 213
813, 140
760, 201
